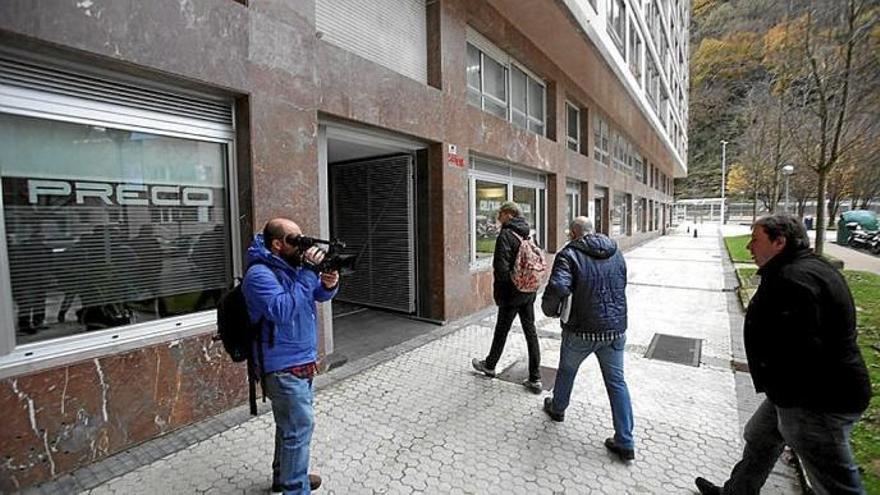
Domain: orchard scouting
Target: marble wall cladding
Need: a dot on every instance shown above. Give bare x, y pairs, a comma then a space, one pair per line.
59, 419
192, 39
266, 55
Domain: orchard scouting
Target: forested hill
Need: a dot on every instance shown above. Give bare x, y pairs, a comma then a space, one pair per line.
726, 63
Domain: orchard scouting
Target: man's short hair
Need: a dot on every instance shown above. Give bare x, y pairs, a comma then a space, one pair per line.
510, 207
581, 226
787, 226
274, 229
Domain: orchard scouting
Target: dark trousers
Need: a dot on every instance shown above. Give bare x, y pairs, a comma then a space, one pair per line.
821, 441
506, 314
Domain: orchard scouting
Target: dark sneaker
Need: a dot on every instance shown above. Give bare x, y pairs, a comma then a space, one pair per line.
548, 408
314, 481
706, 487
624, 454
480, 366
314, 484
533, 386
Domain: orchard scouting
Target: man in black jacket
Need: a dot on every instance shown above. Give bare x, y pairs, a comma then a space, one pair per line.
800, 338
510, 301
591, 273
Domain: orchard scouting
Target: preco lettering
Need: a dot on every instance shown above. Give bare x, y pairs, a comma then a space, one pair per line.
120, 194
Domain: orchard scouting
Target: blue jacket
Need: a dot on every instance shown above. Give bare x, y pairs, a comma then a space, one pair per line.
591, 270
285, 297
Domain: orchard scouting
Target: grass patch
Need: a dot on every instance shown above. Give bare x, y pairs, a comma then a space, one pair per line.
736, 246
865, 288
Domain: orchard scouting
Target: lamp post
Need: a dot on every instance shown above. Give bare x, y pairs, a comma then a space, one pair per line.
723, 176
787, 171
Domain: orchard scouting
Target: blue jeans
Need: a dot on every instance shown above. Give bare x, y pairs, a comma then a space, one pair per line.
294, 421
821, 441
610, 355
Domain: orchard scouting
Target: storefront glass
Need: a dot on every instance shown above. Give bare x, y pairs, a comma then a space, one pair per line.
489, 196
107, 227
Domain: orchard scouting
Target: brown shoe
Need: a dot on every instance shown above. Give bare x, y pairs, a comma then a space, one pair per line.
314, 481
314, 484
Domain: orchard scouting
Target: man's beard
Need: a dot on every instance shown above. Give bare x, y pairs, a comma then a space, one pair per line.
293, 259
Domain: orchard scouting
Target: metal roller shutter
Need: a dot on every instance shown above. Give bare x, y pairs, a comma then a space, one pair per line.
372, 211
392, 33
66, 82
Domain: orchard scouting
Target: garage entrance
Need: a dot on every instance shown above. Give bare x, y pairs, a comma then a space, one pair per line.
376, 186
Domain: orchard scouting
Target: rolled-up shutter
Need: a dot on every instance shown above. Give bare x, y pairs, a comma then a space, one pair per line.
392, 33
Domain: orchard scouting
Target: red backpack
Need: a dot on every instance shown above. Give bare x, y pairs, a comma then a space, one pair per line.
529, 266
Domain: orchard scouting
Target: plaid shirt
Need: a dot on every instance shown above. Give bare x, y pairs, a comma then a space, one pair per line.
598, 336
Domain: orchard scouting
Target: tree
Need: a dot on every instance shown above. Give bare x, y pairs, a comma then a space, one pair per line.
823, 64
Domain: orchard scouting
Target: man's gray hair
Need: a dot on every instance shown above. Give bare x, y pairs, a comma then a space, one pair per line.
581, 226
511, 207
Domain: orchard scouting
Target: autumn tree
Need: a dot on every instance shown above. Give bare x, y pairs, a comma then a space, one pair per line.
822, 61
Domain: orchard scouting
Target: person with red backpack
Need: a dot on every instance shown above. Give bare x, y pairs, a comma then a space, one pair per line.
519, 269
281, 287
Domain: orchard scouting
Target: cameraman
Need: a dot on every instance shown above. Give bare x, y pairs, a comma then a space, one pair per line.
281, 287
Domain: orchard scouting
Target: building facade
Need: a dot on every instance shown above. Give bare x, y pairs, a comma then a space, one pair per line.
144, 142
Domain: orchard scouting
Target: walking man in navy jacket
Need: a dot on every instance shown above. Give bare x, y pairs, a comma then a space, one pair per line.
592, 272
281, 291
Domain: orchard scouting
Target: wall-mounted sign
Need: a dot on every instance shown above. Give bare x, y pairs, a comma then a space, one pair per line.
452, 157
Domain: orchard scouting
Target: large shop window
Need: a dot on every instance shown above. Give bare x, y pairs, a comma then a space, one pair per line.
491, 184
106, 227
492, 75
621, 214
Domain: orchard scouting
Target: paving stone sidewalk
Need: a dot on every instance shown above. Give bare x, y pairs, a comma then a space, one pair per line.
423, 422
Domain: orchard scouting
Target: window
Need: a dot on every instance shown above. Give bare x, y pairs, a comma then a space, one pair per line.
641, 215
635, 51
620, 214
501, 87
106, 227
573, 127
493, 183
617, 22
639, 168
527, 104
487, 82
601, 152
653, 84
621, 152
572, 201
488, 198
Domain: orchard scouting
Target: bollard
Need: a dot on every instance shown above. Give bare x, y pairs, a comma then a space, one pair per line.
695, 233
689, 229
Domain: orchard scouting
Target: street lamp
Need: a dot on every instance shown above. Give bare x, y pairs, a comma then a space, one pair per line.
787, 171
723, 174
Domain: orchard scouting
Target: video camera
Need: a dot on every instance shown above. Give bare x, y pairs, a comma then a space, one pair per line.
333, 259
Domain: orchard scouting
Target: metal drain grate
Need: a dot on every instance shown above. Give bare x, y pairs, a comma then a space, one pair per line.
681, 350
519, 371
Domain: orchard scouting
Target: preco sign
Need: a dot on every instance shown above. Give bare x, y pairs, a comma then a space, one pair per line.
120, 194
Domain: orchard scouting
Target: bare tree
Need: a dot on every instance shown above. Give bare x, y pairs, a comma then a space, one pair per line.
826, 65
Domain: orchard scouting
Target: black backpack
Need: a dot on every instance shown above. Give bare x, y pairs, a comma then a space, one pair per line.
234, 327
238, 334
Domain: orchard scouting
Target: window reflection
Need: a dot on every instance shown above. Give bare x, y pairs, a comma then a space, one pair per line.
108, 227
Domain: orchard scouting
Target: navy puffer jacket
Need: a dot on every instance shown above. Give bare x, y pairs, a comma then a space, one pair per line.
592, 270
